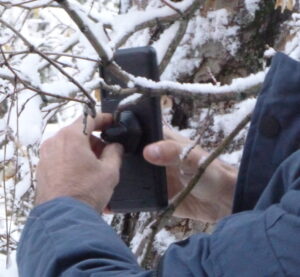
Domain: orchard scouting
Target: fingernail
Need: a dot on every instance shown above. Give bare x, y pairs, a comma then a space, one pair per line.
154, 152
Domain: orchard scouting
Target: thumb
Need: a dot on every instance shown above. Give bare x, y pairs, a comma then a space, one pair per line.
163, 153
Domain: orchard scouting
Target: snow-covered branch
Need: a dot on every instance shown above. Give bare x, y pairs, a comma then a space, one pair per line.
94, 32
128, 24
206, 94
173, 44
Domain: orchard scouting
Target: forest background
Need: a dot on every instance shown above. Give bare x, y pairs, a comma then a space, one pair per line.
213, 56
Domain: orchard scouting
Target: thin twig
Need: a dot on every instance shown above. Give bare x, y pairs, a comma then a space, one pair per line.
172, 7
16, 163
215, 82
198, 138
5, 188
37, 90
32, 48
12, 53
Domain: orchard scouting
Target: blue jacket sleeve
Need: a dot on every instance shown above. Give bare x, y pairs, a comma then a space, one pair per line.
65, 237
262, 242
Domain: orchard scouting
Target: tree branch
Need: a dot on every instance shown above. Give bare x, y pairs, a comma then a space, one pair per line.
83, 23
12, 53
172, 7
148, 23
32, 48
173, 45
206, 94
37, 90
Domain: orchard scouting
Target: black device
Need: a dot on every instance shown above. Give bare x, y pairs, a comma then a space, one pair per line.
142, 186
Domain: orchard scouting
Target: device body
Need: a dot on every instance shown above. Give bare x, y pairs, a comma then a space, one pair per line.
142, 186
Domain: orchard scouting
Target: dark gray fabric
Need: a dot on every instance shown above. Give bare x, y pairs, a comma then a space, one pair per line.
65, 237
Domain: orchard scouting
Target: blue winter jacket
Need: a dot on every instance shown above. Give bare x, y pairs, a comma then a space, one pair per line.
65, 237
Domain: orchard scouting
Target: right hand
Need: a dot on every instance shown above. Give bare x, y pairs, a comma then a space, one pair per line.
212, 197
80, 166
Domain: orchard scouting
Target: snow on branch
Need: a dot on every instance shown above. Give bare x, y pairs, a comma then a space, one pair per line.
172, 45
239, 89
34, 49
27, 4
93, 32
126, 25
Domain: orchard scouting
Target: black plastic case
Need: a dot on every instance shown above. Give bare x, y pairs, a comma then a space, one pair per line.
142, 186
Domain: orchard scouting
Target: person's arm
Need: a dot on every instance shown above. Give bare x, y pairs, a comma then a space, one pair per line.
66, 237
64, 234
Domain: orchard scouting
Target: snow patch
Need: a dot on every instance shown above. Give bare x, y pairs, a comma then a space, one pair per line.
131, 99
252, 6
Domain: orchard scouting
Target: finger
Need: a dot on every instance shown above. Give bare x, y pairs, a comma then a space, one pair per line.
169, 153
112, 155
163, 153
100, 122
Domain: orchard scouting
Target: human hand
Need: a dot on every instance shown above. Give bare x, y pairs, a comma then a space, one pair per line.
78, 165
212, 197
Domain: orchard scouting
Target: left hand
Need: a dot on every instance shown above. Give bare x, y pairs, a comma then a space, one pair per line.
212, 197
78, 165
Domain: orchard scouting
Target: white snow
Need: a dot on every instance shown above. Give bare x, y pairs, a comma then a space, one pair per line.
163, 239
270, 52
26, 119
131, 99
97, 30
161, 46
228, 122
215, 27
252, 6
12, 270
237, 85
127, 23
